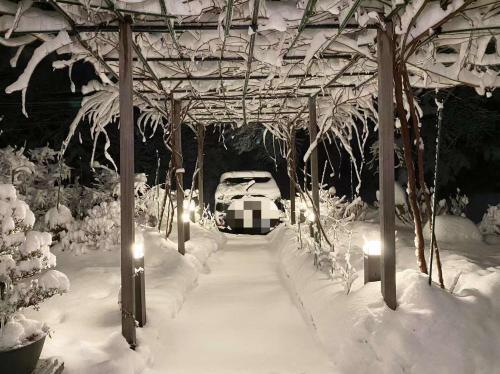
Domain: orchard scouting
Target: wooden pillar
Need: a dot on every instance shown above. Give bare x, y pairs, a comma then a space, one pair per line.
292, 172
386, 163
313, 132
127, 183
201, 157
179, 172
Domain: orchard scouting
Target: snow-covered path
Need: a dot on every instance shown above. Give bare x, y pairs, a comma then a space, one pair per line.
241, 319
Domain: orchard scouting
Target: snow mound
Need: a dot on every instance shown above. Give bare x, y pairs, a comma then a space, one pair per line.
58, 217
454, 228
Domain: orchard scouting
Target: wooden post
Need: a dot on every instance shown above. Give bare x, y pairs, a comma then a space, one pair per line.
292, 171
201, 157
386, 164
313, 132
127, 183
179, 171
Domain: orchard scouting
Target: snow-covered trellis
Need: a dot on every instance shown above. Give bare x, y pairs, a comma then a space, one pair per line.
262, 61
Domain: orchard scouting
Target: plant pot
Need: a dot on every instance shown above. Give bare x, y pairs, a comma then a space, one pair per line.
22, 360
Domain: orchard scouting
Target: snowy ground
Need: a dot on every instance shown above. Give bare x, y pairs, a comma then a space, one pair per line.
432, 331
258, 305
241, 319
86, 320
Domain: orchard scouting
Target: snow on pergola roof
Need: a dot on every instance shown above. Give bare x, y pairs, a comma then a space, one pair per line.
258, 61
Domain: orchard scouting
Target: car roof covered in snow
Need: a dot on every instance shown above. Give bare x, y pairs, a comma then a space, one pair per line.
245, 174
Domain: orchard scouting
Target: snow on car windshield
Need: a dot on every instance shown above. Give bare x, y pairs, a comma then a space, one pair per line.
240, 180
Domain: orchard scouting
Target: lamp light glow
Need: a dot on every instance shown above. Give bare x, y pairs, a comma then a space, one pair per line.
372, 248
185, 217
138, 250
310, 216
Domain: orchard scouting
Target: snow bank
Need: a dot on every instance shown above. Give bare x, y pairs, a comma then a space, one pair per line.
432, 331
86, 322
454, 228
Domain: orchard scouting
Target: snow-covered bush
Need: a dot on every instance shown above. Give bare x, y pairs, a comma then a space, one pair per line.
15, 167
99, 229
458, 203
333, 256
207, 219
42, 179
26, 274
490, 224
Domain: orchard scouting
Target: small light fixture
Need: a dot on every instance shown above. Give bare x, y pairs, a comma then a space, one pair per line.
372, 251
372, 248
138, 250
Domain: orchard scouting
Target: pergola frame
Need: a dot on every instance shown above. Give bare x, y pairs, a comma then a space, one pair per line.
120, 69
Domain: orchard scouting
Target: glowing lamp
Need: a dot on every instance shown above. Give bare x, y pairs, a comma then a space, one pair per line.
138, 250
185, 217
371, 260
372, 248
310, 216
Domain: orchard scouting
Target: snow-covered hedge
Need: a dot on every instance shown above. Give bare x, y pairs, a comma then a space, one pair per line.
25, 278
490, 224
99, 229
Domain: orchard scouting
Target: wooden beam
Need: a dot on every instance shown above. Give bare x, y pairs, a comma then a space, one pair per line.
127, 203
294, 58
251, 46
179, 171
292, 173
313, 132
386, 163
201, 157
247, 77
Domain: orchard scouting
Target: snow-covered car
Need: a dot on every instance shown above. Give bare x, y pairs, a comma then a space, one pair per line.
248, 202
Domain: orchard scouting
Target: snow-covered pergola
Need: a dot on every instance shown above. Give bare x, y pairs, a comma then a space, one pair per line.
325, 65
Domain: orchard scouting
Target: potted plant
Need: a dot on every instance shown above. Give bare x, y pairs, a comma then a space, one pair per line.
26, 279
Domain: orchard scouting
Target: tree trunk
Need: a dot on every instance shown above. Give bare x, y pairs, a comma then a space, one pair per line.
408, 156
421, 175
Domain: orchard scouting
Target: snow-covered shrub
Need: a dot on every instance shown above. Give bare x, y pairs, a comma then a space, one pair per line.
458, 203
333, 256
58, 218
26, 274
339, 208
100, 229
207, 219
15, 167
490, 224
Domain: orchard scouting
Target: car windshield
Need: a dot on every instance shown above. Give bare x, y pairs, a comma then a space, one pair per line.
241, 180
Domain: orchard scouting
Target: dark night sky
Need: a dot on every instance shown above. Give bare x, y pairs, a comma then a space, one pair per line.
471, 140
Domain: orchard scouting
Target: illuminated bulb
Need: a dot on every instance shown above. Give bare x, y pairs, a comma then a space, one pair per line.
372, 248
138, 251
185, 217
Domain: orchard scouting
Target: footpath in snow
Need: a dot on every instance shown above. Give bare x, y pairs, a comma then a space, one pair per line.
241, 319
